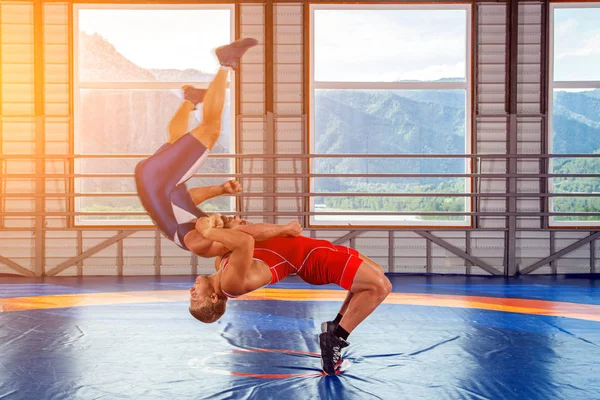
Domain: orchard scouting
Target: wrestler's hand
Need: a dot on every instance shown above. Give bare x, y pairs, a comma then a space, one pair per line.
204, 225
292, 229
231, 187
216, 220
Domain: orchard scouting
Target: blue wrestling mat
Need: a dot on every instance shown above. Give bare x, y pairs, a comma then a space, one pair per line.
434, 338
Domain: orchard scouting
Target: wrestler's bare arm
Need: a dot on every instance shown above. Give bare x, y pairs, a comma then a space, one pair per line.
262, 232
236, 280
204, 247
203, 193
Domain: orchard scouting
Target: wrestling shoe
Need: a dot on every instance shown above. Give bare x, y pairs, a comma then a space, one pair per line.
328, 326
192, 94
331, 352
229, 55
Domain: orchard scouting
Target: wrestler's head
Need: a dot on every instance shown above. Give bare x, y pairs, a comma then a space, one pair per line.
205, 304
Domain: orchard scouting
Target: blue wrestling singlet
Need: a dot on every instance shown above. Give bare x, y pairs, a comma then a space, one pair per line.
160, 181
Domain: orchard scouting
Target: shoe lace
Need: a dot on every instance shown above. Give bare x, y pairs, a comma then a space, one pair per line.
336, 354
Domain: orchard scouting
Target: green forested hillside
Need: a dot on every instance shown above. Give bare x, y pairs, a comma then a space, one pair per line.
428, 122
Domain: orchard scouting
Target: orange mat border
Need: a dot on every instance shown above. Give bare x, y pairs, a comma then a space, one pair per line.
589, 312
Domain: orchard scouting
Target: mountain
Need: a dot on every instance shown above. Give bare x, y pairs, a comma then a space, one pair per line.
593, 93
426, 122
384, 122
451, 98
380, 122
576, 123
99, 61
576, 126
580, 104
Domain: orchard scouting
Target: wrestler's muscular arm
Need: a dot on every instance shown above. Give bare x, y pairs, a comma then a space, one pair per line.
203, 193
236, 280
201, 246
262, 232
204, 247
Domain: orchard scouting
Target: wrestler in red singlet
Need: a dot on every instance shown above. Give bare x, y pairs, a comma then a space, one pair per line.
317, 262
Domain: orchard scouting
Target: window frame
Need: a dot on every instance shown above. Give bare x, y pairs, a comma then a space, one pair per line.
467, 85
77, 86
552, 85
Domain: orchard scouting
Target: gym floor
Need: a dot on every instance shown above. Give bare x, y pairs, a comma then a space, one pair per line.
435, 337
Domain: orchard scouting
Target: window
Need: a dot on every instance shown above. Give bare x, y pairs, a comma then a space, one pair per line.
575, 112
390, 79
130, 63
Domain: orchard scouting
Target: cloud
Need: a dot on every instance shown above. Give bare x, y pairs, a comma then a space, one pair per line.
375, 45
162, 38
576, 35
589, 46
437, 71
566, 27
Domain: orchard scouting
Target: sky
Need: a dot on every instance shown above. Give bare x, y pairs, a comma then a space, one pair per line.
350, 45
390, 45
179, 39
577, 44
384, 45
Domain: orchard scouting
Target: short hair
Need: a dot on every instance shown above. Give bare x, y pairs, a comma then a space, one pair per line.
208, 312
224, 220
